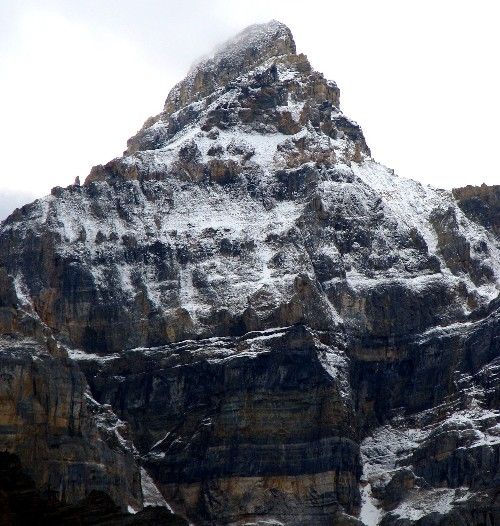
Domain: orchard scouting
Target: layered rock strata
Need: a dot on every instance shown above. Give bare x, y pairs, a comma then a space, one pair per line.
286, 329
255, 426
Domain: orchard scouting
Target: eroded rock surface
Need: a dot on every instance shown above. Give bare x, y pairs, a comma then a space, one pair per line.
285, 331
256, 426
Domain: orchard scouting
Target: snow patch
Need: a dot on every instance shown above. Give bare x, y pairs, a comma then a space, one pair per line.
370, 513
150, 492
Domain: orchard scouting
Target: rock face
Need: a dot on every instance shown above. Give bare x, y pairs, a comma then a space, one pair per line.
481, 204
64, 456
249, 317
255, 426
22, 503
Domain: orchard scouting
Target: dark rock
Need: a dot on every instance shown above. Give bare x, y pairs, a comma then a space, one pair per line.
481, 204
21, 503
185, 427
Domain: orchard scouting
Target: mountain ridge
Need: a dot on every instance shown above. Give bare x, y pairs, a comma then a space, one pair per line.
245, 283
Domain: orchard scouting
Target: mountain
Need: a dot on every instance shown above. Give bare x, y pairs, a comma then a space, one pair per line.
248, 318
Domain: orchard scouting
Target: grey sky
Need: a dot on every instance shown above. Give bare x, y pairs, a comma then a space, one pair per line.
10, 200
79, 77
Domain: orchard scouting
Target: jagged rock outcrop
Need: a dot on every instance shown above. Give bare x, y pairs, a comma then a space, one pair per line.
291, 332
253, 45
481, 204
50, 421
63, 456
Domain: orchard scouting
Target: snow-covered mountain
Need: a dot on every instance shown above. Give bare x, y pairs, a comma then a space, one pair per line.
279, 329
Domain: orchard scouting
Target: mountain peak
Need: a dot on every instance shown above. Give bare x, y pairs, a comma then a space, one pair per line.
280, 329
253, 45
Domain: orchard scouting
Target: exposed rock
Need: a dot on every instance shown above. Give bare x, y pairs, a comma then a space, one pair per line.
65, 441
21, 503
59, 446
481, 204
252, 298
188, 402
242, 53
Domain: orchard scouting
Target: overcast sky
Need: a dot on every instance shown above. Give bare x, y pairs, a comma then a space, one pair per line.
78, 77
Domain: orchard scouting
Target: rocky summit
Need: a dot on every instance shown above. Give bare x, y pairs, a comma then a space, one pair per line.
247, 320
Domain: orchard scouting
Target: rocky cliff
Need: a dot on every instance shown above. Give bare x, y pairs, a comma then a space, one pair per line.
246, 316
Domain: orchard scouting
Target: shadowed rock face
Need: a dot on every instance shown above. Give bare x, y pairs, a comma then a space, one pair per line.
263, 323
254, 426
66, 442
481, 204
58, 431
21, 503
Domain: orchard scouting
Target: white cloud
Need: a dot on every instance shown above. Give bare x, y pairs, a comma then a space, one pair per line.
71, 96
